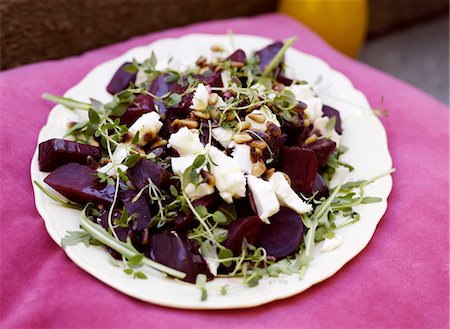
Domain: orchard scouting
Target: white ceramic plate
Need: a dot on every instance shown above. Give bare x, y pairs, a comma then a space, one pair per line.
363, 134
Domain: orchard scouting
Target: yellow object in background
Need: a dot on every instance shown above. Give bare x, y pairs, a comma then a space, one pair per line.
342, 23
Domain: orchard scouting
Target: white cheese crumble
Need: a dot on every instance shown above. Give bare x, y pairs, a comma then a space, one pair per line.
186, 142
111, 169
180, 164
200, 191
305, 94
230, 181
200, 99
331, 244
321, 125
141, 77
223, 136
264, 197
241, 153
148, 123
286, 195
264, 110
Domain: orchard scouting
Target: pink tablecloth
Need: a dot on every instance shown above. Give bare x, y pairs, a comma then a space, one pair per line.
399, 281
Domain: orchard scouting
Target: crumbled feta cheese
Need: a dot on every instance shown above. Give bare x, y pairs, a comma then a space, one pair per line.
331, 244
223, 136
186, 142
220, 103
241, 154
120, 153
200, 191
264, 197
148, 125
141, 77
110, 169
180, 164
305, 94
230, 181
264, 110
286, 195
200, 99
321, 125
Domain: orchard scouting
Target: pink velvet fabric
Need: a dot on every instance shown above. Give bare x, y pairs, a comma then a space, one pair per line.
400, 280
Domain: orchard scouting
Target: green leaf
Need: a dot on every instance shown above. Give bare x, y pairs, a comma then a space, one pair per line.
131, 68
132, 160
219, 217
153, 61
199, 161
120, 109
173, 191
128, 271
69, 103
223, 290
201, 211
135, 139
225, 254
140, 275
371, 199
331, 123
74, 237
254, 281
172, 77
174, 99
136, 260
94, 118
78, 126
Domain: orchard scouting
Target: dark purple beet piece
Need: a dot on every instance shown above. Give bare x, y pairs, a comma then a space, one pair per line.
80, 184
284, 80
275, 144
122, 232
320, 187
238, 56
145, 169
301, 166
121, 80
183, 222
169, 248
57, 152
240, 229
214, 79
323, 148
141, 104
267, 54
283, 235
211, 202
294, 131
328, 111
160, 87
140, 209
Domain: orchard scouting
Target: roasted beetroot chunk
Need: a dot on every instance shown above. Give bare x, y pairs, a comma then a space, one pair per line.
145, 169
214, 79
57, 152
267, 54
174, 250
301, 166
140, 209
122, 232
121, 80
320, 188
141, 104
283, 235
238, 56
328, 111
242, 228
323, 148
275, 144
80, 184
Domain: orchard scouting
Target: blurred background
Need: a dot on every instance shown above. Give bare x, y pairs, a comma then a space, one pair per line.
406, 38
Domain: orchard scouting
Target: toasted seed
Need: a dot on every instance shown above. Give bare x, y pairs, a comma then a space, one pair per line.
255, 154
201, 61
268, 173
242, 138
209, 178
311, 139
160, 143
217, 48
258, 144
128, 137
260, 118
242, 125
201, 115
278, 86
230, 116
179, 123
258, 168
273, 129
70, 124
306, 123
148, 137
236, 64
215, 114
213, 98
261, 135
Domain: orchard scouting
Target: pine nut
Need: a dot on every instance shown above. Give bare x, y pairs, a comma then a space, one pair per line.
236, 64
213, 98
311, 139
242, 125
260, 118
159, 143
179, 123
242, 138
258, 144
201, 61
255, 154
273, 129
306, 122
202, 115
217, 48
258, 168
